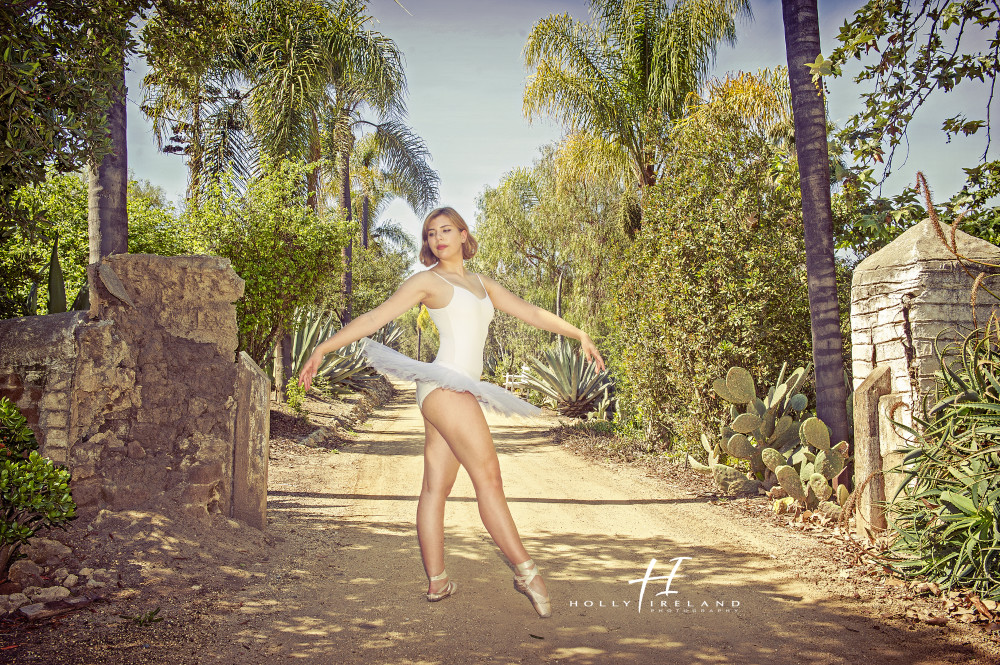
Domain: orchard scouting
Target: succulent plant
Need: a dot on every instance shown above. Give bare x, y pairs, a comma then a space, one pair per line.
569, 380
346, 370
760, 424
805, 475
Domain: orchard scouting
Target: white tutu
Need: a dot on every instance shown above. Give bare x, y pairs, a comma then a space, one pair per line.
491, 396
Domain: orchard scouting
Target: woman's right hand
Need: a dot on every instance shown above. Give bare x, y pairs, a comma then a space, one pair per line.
310, 369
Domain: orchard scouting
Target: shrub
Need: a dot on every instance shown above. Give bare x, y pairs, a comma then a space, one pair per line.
714, 278
34, 492
285, 252
295, 396
947, 514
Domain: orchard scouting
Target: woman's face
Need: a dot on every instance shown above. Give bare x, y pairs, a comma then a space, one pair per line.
444, 238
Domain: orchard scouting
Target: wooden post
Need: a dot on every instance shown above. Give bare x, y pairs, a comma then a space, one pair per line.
868, 453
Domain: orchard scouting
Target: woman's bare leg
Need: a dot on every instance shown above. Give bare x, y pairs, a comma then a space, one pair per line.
440, 470
459, 419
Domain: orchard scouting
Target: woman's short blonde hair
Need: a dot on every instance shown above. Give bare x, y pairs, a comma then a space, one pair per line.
468, 249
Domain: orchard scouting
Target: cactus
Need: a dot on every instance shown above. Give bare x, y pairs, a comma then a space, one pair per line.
810, 483
760, 424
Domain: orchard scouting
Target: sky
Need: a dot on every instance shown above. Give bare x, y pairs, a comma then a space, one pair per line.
466, 75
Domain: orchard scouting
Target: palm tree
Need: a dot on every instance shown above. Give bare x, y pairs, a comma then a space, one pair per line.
390, 163
107, 214
801, 23
376, 84
622, 77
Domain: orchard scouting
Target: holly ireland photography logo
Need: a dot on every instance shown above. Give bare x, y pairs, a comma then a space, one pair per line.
680, 604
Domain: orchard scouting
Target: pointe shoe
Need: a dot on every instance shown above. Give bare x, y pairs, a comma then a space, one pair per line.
448, 589
523, 574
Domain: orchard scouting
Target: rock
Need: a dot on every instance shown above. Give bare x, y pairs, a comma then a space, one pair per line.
51, 593
16, 600
25, 572
135, 450
732, 481
33, 611
829, 509
8, 588
70, 581
315, 439
105, 577
94, 584
86, 572
60, 575
47, 552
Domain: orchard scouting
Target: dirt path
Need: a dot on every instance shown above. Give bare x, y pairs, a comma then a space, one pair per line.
345, 584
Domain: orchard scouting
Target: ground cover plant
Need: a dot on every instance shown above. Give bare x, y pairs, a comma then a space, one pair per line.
34, 492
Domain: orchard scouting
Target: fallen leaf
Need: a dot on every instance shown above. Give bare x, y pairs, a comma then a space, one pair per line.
978, 603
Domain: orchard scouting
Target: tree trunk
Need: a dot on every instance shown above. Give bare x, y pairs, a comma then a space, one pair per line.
107, 215
197, 164
283, 369
315, 154
801, 22
347, 286
365, 225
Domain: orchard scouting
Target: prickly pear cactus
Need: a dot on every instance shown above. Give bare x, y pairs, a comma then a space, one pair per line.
810, 482
756, 424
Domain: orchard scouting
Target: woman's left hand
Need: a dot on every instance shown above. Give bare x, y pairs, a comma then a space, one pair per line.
589, 350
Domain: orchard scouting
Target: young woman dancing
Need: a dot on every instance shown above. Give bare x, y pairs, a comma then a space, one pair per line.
450, 395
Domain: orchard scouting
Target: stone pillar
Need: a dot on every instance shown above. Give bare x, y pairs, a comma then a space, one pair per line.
907, 293
904, 298
138, 398
250, 450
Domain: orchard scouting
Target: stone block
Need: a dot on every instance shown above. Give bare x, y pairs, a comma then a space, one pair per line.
867, 456
55, 401
40, 340
250, 454
25, 573
51, 593
52, 419
56, 439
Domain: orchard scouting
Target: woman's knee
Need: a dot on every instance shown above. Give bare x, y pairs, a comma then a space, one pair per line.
437, 489
488, 478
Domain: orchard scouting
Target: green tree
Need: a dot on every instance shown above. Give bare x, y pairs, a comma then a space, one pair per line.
911, 53
59, 74
155, 228
545, 233
801, 21
626, 75
191, 92
283, 249
715, 276
391, 163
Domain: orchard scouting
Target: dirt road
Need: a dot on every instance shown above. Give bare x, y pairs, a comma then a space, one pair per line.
346, 584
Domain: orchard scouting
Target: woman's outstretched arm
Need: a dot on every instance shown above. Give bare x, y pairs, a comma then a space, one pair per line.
534, 315
410, 293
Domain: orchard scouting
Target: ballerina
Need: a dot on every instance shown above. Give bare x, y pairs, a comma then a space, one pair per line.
450, 395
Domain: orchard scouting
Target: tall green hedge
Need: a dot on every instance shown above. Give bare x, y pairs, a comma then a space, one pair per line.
715, 278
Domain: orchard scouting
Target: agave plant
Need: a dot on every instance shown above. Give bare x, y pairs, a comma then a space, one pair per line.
57, 288
569, 380
946, 514
346, 370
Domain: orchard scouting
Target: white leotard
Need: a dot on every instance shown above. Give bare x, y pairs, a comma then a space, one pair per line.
463, 325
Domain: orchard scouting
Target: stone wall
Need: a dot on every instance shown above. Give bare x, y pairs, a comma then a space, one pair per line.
140, 398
